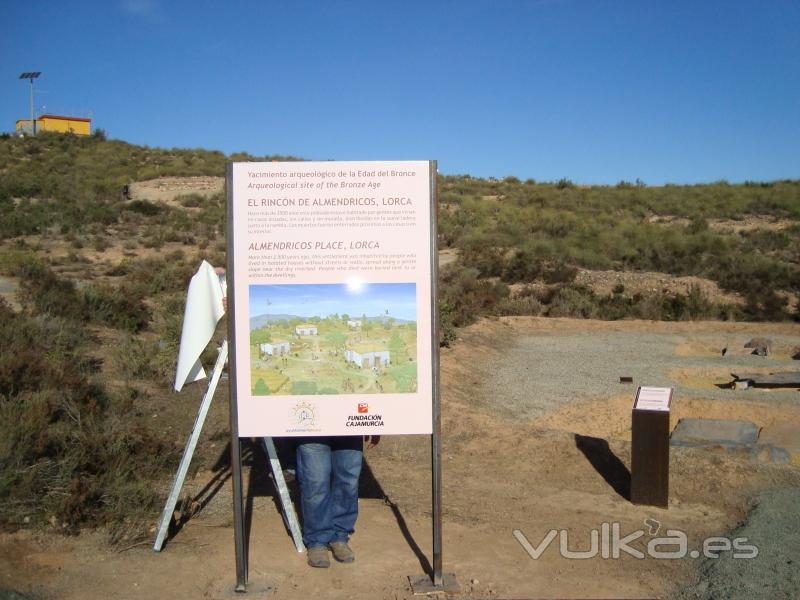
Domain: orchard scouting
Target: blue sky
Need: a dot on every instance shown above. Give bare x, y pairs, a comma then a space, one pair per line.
593, 90
354, 299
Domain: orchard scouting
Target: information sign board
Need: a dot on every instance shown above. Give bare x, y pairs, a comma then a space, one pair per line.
653, 398
332, 297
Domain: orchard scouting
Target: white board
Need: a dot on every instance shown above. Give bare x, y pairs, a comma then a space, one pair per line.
653, 398
317, 246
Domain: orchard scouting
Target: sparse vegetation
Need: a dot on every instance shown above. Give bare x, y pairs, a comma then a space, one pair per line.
75, 448
522, 233
71, 451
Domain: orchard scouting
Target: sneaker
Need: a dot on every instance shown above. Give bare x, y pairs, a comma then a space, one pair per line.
342, 552
318, 557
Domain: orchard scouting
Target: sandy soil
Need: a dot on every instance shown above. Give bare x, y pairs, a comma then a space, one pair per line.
168, 189
748, 223
604, 282
563, 465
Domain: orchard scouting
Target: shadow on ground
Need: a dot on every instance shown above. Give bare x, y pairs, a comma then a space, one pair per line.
606, 463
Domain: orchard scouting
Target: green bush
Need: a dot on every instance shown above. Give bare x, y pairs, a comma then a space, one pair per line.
67, 449
464, 297
44, 292
118, 307
528, 306
143, 207
573, 301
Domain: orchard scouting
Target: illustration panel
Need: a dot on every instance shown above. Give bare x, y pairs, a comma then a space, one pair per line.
333, 339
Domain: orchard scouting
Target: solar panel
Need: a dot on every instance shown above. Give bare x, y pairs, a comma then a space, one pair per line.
30, 75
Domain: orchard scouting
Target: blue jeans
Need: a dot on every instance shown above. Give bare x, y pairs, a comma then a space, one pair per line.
327, 472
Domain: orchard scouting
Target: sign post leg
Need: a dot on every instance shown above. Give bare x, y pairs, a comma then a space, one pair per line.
438, 581
238, 515
289, 514
436, 477
188, 452
240, 547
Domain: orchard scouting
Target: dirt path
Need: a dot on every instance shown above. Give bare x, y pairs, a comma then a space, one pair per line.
520, 452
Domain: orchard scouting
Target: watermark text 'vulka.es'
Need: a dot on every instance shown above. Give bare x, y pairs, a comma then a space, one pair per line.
609, 542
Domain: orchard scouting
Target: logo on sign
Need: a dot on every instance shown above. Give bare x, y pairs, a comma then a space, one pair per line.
304, 414
363, 407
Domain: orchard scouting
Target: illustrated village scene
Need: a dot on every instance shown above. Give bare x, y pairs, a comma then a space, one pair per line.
352, 338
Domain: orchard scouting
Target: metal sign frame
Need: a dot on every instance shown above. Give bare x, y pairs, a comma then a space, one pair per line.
240, 547
437, 581
436, 442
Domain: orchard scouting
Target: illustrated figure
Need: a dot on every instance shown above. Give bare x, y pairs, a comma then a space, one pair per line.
328, 469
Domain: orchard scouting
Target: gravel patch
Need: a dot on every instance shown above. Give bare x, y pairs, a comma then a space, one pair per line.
773, 527
541, 373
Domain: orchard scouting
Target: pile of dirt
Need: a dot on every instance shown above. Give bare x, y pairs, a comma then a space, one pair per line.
648, 282
748, 223
167, 189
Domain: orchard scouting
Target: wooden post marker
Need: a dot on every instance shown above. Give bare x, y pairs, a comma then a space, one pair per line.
650, 446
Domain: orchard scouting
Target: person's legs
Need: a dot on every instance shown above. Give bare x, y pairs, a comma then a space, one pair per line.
314, 477
346, 458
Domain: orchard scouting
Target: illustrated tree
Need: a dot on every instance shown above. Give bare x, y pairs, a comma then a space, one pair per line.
261, 388
260, 336
397, 348
338, 339
366, 325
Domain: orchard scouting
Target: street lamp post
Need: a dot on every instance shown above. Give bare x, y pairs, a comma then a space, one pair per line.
31, 75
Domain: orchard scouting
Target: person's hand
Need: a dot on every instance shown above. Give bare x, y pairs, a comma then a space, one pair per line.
372, 441
221, 271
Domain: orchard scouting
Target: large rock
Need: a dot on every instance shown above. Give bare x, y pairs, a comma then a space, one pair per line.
714, 432
760, 345
784, 436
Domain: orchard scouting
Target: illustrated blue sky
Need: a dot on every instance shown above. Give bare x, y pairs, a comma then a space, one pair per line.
593, 90
322, 300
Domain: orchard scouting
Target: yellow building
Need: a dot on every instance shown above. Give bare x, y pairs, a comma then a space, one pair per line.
57, 123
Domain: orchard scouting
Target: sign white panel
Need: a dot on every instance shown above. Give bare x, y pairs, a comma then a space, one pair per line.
332, 297
653, 398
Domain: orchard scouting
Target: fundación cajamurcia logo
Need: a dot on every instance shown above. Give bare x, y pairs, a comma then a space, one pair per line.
364, 418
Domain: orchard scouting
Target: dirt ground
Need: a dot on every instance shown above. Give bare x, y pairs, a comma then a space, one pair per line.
168, 189
529, 444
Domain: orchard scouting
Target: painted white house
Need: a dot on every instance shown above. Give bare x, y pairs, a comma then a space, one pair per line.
354, 323
275, 348
306, 329
367, 357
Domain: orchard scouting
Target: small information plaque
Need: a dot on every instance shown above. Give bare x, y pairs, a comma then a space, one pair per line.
653, 398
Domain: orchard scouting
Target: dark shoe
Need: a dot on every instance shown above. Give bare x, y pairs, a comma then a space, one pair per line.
318, 557
342, 552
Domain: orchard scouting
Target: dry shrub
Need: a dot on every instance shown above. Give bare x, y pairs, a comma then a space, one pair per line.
70, 453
